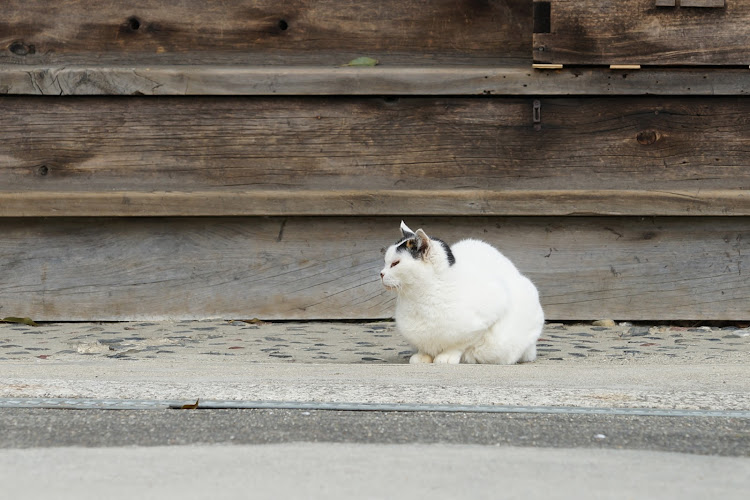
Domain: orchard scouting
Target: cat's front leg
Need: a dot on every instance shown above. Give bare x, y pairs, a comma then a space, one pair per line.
420, 357
449, 357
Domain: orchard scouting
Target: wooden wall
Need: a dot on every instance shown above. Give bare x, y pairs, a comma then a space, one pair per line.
192, 159
657, 32
323, 267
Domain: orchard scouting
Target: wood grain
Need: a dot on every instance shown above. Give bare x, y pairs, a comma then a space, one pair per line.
380, 80
265, 32
115, 148
639, 32
312, 268
366, 202
702, 3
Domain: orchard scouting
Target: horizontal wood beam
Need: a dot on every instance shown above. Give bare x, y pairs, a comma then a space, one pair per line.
379, 80
629, 268
395, 203
353, 155
242, 32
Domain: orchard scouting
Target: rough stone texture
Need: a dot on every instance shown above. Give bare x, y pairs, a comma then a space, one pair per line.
377, 342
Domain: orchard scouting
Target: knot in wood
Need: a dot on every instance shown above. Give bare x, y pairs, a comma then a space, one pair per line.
21, 49
133, 23
647, 137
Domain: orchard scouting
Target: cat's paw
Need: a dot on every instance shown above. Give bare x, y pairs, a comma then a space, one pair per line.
448, 358
420, 357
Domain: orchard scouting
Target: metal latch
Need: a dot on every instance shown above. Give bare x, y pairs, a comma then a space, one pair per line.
536, 114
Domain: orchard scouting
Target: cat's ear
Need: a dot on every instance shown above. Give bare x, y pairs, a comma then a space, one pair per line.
405, 230
423, 242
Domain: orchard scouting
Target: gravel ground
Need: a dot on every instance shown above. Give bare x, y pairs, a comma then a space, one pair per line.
374, 342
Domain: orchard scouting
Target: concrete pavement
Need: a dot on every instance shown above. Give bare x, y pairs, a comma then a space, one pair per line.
579, 365
345, 471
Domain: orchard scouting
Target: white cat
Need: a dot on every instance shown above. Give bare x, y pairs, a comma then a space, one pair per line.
464, 303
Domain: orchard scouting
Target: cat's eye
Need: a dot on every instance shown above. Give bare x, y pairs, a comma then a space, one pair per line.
395, 263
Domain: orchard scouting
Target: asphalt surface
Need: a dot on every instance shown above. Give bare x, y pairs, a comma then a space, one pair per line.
34, 428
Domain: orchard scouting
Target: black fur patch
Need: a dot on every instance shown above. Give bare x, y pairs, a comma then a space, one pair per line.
410, 246
448, 252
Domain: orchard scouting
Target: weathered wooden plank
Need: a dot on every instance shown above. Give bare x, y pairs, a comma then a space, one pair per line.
365, 202
304, 268
379, 80
702, 3
320, 32
639, 32
367, 147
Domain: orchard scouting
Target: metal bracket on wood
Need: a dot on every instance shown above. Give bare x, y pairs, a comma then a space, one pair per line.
536, 114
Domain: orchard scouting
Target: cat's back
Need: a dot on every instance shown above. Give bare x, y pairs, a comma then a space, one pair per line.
491, 280
477, 256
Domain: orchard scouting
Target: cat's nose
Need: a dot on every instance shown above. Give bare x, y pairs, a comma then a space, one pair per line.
382, 276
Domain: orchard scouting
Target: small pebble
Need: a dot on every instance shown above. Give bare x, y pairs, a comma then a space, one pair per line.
604, 322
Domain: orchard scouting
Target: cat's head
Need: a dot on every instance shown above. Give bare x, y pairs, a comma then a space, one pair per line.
414, 259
